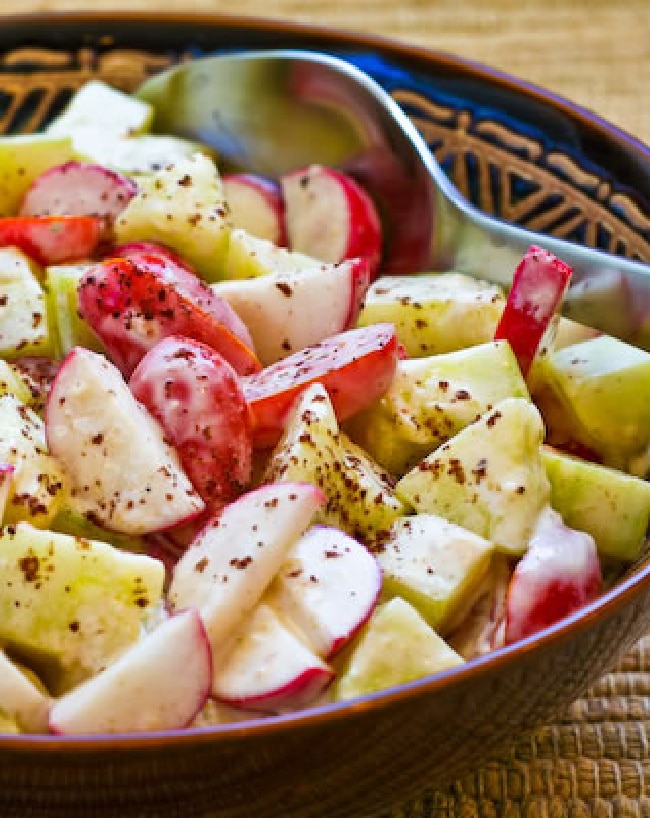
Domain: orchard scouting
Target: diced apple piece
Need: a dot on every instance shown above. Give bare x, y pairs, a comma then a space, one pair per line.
69, 519
62, 282
12, 383
196, 396
71, 602
225, 571
21, 701
612, 506
142, 154
269, 669
603, 389
38, 484
431, 399
397, 646
182, 206
488, 478
360, 497
436, 566
330, 216
105, 110
123, 472
160, 683
24, 324
356, 367
36, 373
79, 189
251, 257
328, 588
256, 206
435, 312
22, 159
287, 310
558, 574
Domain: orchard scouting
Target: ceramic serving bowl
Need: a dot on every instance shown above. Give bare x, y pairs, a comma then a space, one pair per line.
512, 149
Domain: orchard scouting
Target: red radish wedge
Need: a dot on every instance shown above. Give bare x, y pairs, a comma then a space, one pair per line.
176, 272
538, 287
124, 474
131, 305
256, 205
287, 311
328, 587
52, 240
79, 189
331, 217
269, 669
161, 683
195, 395
355, 367
558, 574
228, 567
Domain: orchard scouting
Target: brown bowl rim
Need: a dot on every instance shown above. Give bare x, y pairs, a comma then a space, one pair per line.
613, 600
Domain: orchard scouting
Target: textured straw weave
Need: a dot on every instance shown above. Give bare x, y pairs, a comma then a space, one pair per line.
595, 761
592, 763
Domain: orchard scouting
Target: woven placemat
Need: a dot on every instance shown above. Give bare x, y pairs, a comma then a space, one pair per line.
594, 762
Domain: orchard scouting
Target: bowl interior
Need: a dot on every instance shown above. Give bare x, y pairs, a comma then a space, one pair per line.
512, 150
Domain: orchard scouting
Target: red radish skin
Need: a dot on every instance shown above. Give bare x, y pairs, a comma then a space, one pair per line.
558, 574
177, 273
355, 367
292, 677
196, 396
132, 306
257, 206
538, 287
52, 240
79, 189
331, 217
294, 695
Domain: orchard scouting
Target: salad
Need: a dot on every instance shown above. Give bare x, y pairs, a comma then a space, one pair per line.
242, 472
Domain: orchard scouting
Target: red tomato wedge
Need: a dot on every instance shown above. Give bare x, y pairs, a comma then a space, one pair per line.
132, 305
52, 239
196, 397
356, 367
538, 286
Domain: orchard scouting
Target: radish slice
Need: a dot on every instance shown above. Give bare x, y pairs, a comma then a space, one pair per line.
256, 206
356, 368
331, 217
52, 240
79, 189
538, 286
195, 395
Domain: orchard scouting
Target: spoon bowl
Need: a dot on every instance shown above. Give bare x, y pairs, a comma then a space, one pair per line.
270, 112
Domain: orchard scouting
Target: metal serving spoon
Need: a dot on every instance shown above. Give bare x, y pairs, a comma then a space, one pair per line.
269, 112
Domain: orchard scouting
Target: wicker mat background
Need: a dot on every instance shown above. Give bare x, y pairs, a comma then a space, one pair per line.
595, 761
